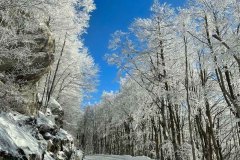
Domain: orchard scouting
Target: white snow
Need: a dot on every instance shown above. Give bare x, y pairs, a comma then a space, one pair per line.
64, 135
19, 136
115, 157
16, 137
43, 119
54, 105
78, 155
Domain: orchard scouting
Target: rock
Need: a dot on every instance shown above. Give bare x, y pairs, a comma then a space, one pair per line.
48, 156
24, 66
55, 106
64, 135
57, 110
30, 138
27, 133
61, 156
47, 136
48, 112
42, 47
44, 128
17, 141
45, 120
38, 136
50, 145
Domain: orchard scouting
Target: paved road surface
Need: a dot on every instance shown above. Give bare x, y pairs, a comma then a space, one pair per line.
113, 157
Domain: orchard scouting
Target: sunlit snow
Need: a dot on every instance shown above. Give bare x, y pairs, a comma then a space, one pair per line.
115, 157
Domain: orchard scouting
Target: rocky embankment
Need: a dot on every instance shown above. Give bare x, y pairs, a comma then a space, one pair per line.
35, 137
28, 130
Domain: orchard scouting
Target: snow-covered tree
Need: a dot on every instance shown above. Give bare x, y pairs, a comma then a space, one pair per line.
180, 93
74, 72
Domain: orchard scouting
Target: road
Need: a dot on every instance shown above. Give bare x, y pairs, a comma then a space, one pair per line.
114, 157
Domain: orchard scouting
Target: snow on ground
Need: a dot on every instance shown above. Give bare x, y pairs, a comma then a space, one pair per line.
115, 157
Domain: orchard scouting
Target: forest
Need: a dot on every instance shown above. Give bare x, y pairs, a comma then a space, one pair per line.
180, 86
179, 75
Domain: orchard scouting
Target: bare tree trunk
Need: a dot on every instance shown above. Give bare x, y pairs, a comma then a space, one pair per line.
55, 72
188, 102
155, 138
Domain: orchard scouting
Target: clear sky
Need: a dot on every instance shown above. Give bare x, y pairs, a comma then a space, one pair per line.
112, 15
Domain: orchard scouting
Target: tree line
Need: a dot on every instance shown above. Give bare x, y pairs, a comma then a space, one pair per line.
180, 77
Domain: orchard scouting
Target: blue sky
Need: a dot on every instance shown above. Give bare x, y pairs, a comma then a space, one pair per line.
112, 15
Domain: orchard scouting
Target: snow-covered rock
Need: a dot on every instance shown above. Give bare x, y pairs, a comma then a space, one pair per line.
16, 140
27, 133
25, 60
53, 110
34, 138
